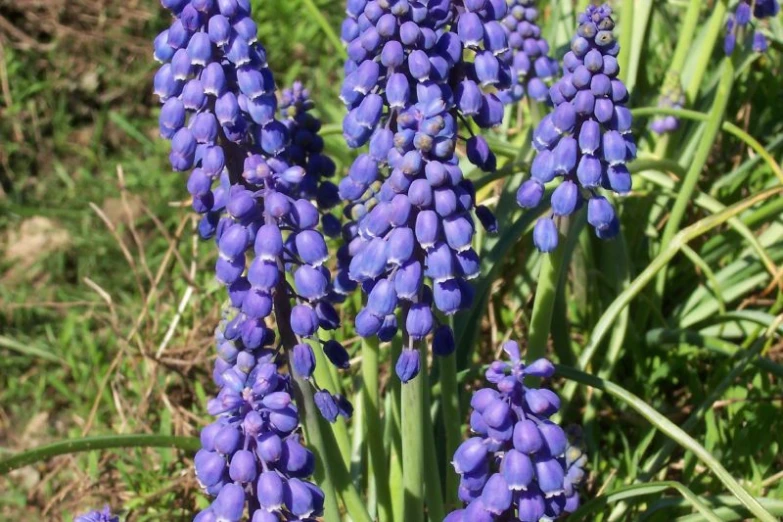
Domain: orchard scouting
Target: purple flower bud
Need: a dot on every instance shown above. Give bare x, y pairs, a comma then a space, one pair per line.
619, 178
337, 354
420, 321
304, 321
470, 29
407, 366
326, 405
531, 505
408, 280
213, 78
517, 469
299, 498
565, 198
550, 475
470, 455
243, 467
443, 343
210, 467
269, 491
496, 495
480, 154
527, 438
600, 213
545, 235
530, 193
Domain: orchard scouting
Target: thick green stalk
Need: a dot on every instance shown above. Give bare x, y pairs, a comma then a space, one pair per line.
396, 483
372, 418
103, 442
544, 303
452, 421
686, 189
714, 29
685, 37
626, 37
673, 431
413, 412
432, 488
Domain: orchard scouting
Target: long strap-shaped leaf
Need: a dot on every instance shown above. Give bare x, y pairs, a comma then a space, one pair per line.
65, 447
674, 432
641, 490
607, 320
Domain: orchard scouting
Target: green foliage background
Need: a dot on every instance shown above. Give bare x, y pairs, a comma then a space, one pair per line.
107, 303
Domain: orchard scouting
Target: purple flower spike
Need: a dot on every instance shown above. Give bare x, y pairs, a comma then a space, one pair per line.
587, 140
259, 176
534, 473
415, 69
532, 67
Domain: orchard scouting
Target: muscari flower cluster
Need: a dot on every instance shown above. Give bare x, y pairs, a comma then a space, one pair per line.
519, 465
531, 64
415, 69
586, 141
749, 14
672, 97
103, 515
253, 453
253, 176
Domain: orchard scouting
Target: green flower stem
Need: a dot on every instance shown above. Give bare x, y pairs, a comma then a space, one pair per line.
688, 185
626, 37
396, 483
672, 431
413, 412
372, 418
685, 38
607, 320
452, 421
432, 487
544, 303
103, 442
714, 29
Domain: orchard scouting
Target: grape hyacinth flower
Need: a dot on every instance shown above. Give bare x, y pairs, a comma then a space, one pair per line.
414, 71
253, 454
586, 141
519, 465
103, 515
749, 15
531, 64
672, 97
252, 176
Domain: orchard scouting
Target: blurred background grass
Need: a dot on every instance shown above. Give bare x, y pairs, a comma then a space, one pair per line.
107, 302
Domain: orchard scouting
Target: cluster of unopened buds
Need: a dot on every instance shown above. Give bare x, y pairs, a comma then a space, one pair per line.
531, 65
518, 465
672, 97
750, 14
415, 71
586, 141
